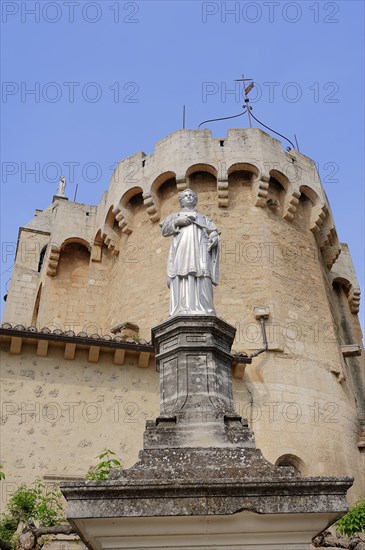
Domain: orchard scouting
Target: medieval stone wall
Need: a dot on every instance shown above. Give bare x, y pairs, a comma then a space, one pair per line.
107, 264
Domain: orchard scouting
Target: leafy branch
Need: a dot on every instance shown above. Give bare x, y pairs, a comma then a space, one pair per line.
28, 504
102, 470
353, 522
43, 504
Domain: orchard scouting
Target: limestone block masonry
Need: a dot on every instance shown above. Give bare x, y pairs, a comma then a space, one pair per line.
88, 269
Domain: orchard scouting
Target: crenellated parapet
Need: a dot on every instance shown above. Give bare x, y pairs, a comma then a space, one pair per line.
186, 152
279, 180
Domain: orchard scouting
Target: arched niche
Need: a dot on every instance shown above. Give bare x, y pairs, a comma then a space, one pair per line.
164, 180
310, 194
292, 460
71, 283
132, 198
309, 210
242, 176
110, 235
72, 247
111, 223
128, 206
342, 281
314, 213
201, 168
246, 170
277, 191
202, 178
105, 243
163, 191
348, 296
74, 251
75, 240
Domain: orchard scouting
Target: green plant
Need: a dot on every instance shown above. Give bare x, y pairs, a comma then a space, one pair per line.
2, 475
8, 526
101, 471
39, 502
354, 521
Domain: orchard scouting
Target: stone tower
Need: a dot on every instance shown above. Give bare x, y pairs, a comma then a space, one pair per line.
83, 270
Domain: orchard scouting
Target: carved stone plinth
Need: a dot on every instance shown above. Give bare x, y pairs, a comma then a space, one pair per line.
193, 355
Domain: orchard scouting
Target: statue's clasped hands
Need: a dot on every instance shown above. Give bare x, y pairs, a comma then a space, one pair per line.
183, 222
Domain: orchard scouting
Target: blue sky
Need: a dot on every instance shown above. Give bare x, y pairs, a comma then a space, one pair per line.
109, 79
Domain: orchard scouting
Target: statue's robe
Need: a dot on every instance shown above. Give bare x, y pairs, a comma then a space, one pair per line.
191, 269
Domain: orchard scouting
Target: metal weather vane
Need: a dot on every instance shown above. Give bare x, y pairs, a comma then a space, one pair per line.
248, 109
246, 91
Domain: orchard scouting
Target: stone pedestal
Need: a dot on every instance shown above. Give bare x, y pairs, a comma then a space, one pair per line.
200, 482
193, 355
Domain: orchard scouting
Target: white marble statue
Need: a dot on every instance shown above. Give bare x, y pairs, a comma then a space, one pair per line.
193, 264
61, 187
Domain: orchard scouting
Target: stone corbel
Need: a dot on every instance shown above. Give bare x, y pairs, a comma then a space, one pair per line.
16, 345
260, 190
290, 206
143, 359
96, 252
354, 299
111, 245
330, 245
53, 260
318, 215
351, 350
222, 188
93, 356
123, 224
151, 207
330, 253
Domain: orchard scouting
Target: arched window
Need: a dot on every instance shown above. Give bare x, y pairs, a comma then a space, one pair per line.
41, 258
36, 305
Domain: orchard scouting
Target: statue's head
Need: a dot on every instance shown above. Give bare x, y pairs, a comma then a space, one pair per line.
188, 198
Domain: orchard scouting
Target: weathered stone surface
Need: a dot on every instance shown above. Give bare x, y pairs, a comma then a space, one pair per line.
193, 356
269, 257
143, 497
172, 479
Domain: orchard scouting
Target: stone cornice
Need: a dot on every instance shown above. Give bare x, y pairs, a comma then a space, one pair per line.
18, 335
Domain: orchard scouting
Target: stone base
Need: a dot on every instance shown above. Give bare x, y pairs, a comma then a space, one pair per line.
243, 531
215, 481
193, 355
167, 432
200, 482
